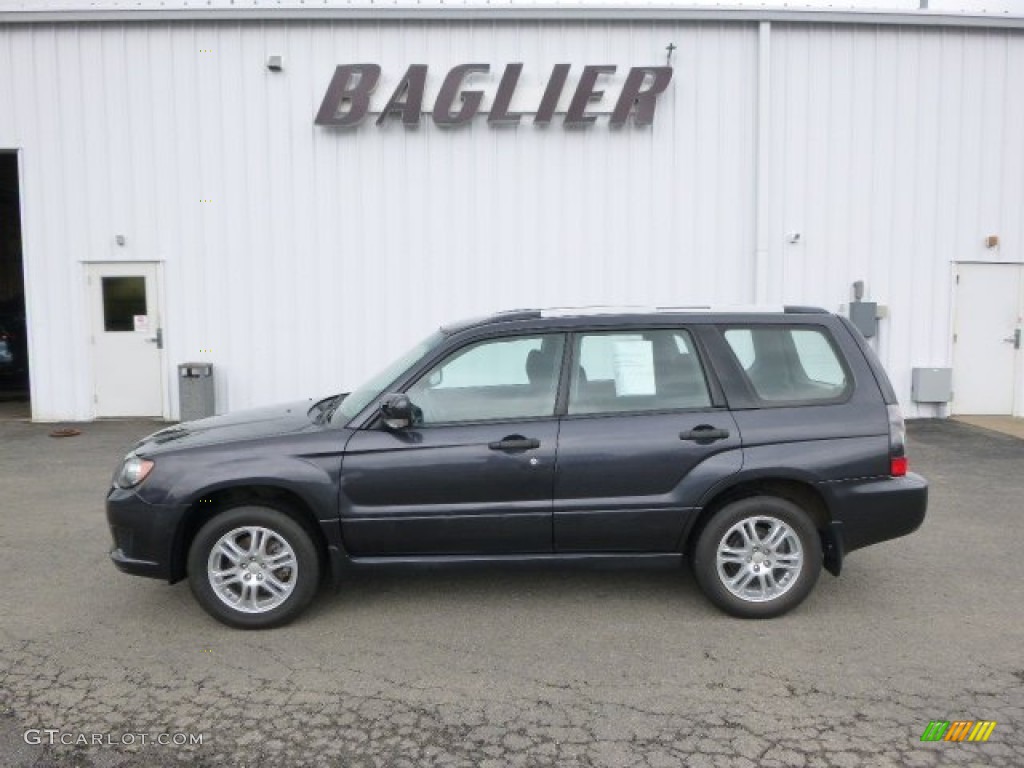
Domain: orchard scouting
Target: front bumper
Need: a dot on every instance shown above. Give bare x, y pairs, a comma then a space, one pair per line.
873, 510
143, 534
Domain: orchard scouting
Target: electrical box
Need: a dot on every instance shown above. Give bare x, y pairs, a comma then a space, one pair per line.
195, 391
864, 315
931, 385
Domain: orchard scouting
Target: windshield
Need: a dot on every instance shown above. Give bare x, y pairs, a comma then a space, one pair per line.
364, 395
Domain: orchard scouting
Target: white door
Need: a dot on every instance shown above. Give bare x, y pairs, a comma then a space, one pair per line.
987, 337
127, 339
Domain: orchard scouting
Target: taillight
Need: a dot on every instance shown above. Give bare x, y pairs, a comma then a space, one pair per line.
897, 442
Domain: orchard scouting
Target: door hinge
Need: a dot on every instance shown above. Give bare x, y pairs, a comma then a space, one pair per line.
958, 279
95, 398
954, 338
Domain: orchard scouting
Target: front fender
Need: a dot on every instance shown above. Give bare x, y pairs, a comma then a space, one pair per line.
185, 478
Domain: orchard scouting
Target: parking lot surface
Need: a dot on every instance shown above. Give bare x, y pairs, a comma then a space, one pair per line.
500, 667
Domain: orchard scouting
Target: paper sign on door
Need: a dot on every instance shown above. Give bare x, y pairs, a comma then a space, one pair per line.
141, 323
633, 362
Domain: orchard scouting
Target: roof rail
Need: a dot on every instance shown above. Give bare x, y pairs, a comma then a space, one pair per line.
514, 314
597, 309
802, 310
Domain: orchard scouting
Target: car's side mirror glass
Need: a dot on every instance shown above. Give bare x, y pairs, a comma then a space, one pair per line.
396, 411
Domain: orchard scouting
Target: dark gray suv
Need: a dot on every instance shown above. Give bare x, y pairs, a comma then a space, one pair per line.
757, 446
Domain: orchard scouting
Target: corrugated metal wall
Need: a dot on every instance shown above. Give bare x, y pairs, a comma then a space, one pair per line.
896, 151
322, 254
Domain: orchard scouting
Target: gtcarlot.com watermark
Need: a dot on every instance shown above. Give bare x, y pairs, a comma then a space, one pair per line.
55, 737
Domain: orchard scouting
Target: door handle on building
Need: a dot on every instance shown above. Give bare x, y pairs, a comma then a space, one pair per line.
1015, 339
158, 339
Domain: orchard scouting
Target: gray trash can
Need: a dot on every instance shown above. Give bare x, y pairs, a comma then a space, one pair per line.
195, 391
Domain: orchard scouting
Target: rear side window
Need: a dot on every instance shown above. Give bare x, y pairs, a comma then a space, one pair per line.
789, 364
642, 371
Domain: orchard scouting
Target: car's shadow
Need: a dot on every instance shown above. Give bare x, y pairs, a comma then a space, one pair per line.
499, 587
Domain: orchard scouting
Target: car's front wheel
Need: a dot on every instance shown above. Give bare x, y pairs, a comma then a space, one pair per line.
758, 557
253, 567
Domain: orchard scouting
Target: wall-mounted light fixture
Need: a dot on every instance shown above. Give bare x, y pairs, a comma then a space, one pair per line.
275, 62
119, 239
992, 241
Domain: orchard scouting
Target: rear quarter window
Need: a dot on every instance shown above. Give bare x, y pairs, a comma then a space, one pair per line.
789, 364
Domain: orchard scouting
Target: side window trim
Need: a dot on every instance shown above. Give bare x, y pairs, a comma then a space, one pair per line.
565, 374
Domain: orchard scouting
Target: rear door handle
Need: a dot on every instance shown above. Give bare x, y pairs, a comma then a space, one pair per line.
514, 443
704, 432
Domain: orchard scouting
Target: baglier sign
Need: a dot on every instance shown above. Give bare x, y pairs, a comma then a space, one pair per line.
347, 100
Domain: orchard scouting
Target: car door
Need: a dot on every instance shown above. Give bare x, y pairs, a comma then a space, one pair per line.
641, 418
474, 473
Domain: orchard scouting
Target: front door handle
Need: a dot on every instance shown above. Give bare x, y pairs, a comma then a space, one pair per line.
514, 443
704, 432
1015, 339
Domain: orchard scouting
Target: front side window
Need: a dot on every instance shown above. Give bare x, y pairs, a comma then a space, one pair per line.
514, 377
788, 364
641, 371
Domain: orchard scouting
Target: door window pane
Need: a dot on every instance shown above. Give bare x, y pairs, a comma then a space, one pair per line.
123, 299
642, 371
788, 364
509, 378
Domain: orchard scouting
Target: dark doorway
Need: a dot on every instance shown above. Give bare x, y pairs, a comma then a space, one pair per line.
13, 329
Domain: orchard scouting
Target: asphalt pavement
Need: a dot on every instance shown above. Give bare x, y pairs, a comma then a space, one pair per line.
501, 668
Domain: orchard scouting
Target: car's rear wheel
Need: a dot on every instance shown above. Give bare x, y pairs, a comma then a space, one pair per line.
758, 557
253, 567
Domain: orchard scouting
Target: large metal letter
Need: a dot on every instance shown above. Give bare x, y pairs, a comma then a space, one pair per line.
507, 87
643, 100
549, 102
411, 86
358, 95
585, 94
450, 87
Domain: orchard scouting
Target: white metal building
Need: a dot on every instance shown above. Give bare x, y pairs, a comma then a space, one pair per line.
791, 154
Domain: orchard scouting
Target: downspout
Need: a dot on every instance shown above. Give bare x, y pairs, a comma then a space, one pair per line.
762, 120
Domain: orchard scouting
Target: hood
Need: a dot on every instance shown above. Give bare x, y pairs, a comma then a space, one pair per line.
233, 427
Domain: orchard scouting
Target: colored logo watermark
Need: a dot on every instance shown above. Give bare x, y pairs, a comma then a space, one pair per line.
958, 730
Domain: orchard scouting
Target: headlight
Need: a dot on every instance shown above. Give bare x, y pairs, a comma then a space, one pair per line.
133, 471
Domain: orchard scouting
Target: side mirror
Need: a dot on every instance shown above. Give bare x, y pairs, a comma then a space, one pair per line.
397, 411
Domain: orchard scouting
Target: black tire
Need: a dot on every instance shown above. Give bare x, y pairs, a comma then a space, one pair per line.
294, 581
755, 600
